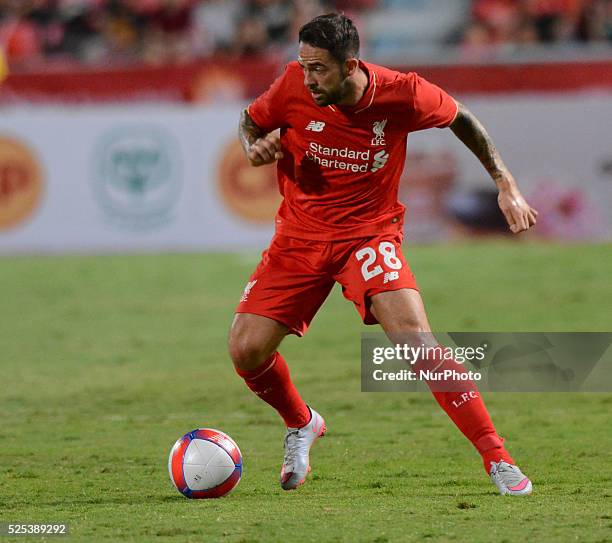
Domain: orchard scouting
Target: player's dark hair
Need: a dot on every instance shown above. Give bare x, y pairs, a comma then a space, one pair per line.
333, 32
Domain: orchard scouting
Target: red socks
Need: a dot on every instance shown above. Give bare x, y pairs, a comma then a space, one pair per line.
272, 383
466, 409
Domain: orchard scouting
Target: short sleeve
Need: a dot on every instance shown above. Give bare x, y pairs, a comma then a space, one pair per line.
268, 109
431, 106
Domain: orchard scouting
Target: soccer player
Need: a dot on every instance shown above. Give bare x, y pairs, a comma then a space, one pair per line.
342, 145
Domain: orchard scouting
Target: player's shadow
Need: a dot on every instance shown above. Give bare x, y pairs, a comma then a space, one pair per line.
109, 499
309, 177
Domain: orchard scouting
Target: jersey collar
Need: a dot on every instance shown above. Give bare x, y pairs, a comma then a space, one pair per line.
368, 96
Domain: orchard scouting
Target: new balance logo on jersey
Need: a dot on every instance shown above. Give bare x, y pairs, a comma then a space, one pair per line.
378, 128
390, 276
316, 126
247, 290
380, 159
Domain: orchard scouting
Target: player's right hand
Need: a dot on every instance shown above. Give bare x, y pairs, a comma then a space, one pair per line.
265, 150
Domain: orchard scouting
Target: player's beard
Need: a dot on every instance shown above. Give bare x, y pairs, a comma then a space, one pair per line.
335, 95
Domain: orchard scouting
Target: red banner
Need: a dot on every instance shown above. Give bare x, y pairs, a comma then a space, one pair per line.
231, 80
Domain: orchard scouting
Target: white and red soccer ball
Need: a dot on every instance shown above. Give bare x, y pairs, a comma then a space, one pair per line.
205, 463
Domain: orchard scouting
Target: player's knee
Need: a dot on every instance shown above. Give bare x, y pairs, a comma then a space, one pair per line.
410, 331
247, 356
412, 326
246, 352
408, 325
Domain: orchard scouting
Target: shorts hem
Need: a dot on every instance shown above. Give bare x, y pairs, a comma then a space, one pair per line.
292, 329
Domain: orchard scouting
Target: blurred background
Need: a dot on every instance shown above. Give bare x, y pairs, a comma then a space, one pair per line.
118, 124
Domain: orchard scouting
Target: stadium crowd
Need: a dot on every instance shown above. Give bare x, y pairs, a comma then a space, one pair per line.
34, 32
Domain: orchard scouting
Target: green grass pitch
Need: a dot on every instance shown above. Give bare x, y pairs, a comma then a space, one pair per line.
105, 361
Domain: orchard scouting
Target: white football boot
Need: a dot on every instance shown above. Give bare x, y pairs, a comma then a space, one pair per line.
510, 479
298, 441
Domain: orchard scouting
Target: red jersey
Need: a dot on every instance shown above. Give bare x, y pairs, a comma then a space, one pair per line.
340, 173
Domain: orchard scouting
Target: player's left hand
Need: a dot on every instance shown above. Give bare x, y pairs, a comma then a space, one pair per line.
519, 215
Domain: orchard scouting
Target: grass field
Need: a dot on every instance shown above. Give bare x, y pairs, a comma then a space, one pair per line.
105, 361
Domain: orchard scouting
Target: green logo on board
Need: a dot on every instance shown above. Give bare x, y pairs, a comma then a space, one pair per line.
137, 178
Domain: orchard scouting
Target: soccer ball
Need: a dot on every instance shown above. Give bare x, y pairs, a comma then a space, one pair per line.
205, 463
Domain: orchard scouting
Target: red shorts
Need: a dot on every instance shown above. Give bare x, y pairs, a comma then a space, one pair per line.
295, 276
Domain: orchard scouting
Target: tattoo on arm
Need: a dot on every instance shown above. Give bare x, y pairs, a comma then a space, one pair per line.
471, 132
248, 131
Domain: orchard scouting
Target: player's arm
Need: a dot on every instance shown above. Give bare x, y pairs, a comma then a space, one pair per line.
519, 215
259, 147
